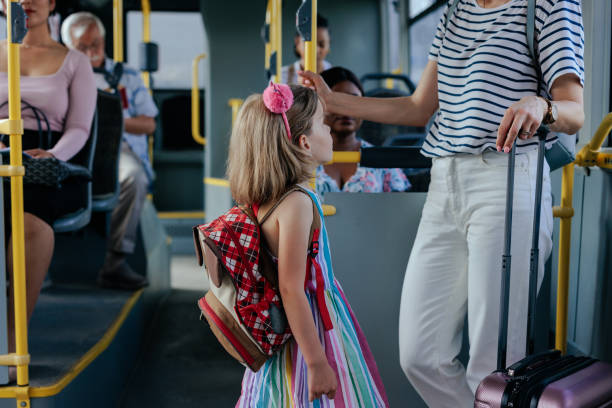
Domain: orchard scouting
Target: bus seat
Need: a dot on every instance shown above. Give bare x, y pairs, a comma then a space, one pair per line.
80, 218
390, 135
175, 120
105, 174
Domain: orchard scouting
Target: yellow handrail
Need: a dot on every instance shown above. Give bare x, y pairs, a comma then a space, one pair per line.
118, 30
235, 104
565, 212
18, 239
389, 81
345, 157
195, 102
588, 155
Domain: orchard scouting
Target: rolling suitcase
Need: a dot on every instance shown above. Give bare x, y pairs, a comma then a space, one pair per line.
545, 379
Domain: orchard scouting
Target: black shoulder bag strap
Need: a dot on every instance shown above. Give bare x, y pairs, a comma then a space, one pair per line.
43, 144
451, 11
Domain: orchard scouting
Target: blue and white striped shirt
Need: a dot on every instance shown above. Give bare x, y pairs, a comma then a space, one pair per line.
484, 66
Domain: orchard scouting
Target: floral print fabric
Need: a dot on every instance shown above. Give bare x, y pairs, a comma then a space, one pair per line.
365, 180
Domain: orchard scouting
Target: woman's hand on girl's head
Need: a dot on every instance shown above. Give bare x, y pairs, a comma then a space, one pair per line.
316, 82
522, 119
39, 153
321, 381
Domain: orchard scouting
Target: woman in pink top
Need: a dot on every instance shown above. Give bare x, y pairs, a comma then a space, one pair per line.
59, 83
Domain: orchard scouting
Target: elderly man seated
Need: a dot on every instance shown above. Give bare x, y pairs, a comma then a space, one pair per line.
84, 32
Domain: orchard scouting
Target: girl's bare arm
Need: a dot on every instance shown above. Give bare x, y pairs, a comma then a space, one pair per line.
294, 217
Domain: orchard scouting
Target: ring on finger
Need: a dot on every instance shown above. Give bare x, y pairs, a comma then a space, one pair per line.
525, 132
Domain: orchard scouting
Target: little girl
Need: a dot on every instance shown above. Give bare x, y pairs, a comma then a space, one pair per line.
277, 142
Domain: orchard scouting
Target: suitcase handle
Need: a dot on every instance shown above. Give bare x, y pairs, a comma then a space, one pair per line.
507, 258
519, 368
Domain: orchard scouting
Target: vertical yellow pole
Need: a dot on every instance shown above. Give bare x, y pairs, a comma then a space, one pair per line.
310, 59
268, 46
146, 76
565, 230
278, 28
310, 47
18, 239
235, 104
118, 30
146, 36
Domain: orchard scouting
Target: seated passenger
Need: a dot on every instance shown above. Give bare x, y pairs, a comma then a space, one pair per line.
59, 83
289, 73
350, 177
84, 31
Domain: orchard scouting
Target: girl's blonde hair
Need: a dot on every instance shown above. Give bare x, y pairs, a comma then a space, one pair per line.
263, 163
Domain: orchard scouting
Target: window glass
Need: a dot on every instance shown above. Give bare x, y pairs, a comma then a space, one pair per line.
175, 53
421, 36
54, 25
417, 6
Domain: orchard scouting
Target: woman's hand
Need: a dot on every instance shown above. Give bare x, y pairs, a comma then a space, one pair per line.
38, 153
316, 82
321, 380
523, 118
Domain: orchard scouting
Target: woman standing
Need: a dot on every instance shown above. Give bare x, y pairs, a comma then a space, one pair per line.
482, 80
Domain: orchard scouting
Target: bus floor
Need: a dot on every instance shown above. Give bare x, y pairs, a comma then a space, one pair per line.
181, 363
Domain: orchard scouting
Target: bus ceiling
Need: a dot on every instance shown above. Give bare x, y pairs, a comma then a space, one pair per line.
103, 7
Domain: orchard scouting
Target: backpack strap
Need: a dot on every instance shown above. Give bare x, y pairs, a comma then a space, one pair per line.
531, 28
530, 32
276, 204
451, 11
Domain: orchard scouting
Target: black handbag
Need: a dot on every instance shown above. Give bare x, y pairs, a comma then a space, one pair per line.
48, 171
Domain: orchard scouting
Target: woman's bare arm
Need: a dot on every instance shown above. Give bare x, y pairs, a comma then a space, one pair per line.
527, 114
413, 110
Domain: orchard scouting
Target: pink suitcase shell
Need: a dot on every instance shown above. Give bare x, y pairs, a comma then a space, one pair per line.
590, 387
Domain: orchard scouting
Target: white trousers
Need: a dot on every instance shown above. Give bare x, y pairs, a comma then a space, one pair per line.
455, 268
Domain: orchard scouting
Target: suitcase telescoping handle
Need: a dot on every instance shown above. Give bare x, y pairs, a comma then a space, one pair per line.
502, 345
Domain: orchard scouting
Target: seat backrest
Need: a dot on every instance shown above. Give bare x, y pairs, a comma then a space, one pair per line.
175, 120
105, 171
85, 156
395, 135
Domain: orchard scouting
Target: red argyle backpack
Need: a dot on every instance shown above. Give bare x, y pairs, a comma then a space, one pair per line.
243, 306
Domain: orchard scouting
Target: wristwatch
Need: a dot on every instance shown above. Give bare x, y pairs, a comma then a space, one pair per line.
551, 114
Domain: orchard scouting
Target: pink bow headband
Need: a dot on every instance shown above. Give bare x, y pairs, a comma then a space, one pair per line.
278, 98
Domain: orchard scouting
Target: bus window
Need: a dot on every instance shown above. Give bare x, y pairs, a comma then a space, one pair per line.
419, 6
175, 54
171, 84
421, 34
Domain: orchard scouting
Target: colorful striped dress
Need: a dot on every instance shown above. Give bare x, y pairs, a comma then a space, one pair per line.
283, 380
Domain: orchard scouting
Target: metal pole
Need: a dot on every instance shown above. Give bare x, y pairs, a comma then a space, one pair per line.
310, 47
18, 239
118, 30
565, 231
146, 36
